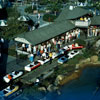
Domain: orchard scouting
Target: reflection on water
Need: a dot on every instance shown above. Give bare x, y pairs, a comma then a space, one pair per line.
83, 88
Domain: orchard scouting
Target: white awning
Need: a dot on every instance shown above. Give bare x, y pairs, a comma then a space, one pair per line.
1, 6
3, 23
24, 18
22, 40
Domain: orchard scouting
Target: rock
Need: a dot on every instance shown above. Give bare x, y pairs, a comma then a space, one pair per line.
94, 58
88, 59
76, 71
77, 66
85, 61
98, 43
42, 89
59, 93
51, 88
58, 79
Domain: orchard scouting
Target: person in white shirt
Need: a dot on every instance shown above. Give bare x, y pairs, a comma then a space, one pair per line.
49, 47
2, 40
31, 57
34, 50
29, 49
23, 46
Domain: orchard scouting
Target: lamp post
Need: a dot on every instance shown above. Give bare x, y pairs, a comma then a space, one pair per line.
32, 4
37, 5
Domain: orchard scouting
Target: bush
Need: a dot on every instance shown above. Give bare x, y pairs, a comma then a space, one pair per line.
43, 2
12, 12
49, 17
30, 10
80, 42
14, 26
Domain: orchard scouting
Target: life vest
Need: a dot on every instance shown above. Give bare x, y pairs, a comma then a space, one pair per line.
9, 77
73, 45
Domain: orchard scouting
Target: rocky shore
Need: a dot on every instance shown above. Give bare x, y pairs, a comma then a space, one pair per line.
89, 62
64, 79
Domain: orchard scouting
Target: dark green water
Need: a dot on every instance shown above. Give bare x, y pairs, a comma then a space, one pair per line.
83, 88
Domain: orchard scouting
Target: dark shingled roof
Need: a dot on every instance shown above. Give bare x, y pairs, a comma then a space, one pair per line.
95, 20
45, 33
72, 14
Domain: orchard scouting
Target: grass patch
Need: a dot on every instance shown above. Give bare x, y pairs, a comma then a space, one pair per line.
49, 17
76, 59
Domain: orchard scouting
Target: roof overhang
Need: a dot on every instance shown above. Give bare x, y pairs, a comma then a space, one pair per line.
22, 40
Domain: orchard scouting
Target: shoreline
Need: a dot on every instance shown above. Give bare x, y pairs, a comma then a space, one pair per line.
76, 74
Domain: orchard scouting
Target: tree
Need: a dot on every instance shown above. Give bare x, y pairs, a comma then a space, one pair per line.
55, 6
81, 1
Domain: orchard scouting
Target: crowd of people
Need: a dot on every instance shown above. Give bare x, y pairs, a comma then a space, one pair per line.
93, 31
86, 19
44, 50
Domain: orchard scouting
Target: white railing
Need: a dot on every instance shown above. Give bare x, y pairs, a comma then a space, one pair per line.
82, 23
20, 51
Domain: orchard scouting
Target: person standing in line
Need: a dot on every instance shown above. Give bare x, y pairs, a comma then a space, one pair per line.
66, 38
38, 16
88, 32
59, 44
96, 31
69, 38
79, 33
41, 50
49, 47
38, 53
34, 51
23, 46
93, 32
50, 56
29, 49
31, 57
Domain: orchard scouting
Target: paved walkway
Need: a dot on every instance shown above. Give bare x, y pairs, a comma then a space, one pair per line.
32, 16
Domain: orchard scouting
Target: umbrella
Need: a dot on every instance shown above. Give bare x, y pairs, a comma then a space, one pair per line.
3, 23
24, 18
1, 6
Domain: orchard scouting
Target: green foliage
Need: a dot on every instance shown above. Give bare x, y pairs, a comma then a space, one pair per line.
81, 1
75, 60
63, 69
96, 5
54, 6
49, 17
12, 12
44, 2
30, 10
14, 26
80, 42
89, 52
